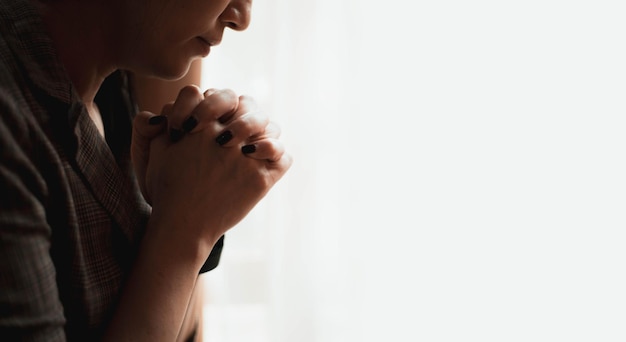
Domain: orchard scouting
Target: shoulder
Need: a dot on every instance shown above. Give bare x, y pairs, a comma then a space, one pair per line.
14, 110
23, 140
25, 108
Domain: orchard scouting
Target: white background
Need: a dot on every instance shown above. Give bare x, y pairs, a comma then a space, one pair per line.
459, 175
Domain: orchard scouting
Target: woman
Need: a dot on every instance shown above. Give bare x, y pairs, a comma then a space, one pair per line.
92, 245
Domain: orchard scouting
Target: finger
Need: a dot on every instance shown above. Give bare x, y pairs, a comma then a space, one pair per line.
278, 168
272, 130
213, 106
167, 108
246, 105
266, 149
146, 126
209, 91
179, 116
244, 127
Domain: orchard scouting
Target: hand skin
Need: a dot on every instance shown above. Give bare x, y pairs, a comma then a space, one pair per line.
198, 190
151, 94
224, 108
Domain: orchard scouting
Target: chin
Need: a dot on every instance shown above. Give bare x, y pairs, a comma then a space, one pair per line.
166, 71
174, 73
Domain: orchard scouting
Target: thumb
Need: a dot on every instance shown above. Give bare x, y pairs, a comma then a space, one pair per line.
146, 126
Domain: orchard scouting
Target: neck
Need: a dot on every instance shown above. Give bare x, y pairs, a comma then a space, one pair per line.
82, 34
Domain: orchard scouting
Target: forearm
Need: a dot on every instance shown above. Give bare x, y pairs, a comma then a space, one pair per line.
158, 291
192, 324
156, 299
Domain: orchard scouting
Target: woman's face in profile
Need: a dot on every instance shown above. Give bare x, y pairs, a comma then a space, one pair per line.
161, 37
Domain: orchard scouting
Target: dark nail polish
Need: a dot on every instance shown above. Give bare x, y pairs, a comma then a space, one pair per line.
224, 137
247, 149
157, 120
176, 134
190, 124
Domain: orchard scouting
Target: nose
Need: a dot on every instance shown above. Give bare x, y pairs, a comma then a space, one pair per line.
237, 15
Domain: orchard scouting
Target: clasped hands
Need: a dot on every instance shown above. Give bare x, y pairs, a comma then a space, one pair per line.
206, 160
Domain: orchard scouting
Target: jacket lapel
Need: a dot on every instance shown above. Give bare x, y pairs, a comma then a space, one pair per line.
112, 186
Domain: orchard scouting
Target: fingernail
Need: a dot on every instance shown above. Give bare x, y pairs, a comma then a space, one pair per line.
247, 149
190, 124
176, 134
224, 137
157, 120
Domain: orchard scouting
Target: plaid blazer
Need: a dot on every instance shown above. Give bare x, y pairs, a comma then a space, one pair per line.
71, 214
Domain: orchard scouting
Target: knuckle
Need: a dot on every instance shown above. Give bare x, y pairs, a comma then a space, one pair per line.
255, 125
224, 95
249, 122
220, 103
263, 118
190, 91
167, 108
243, 125
275, 126
229, 93
209, 92
247, 99
205, 107
143, 115
258, 119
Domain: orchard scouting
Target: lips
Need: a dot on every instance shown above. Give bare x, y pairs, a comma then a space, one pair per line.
205, 46
206, 41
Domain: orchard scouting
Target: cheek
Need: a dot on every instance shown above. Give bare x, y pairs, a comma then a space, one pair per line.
165, 48
197, 19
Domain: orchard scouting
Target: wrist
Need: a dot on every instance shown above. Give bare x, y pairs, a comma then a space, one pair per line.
175, 240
